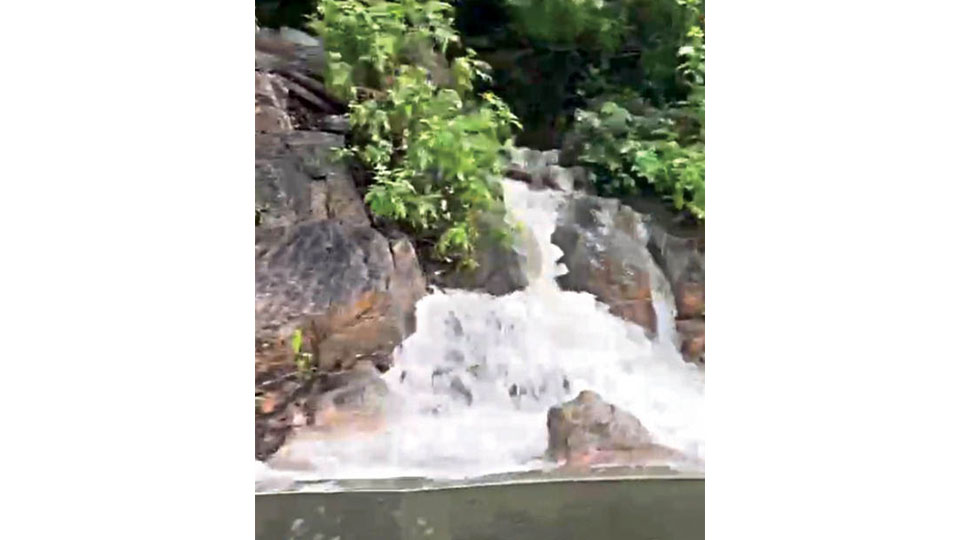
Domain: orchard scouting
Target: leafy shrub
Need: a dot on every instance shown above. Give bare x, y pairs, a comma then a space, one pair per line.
661, 30
691, 69
435, 150
367, 41
624, 152
589, 23
436, 159
632, 42
660, 148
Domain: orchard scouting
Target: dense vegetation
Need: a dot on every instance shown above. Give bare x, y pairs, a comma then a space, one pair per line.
434, 147
621, 82
625, 78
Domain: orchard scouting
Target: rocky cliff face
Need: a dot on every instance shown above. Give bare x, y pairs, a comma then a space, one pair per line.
325, 277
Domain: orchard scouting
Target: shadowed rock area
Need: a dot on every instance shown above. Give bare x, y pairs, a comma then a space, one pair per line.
336, 405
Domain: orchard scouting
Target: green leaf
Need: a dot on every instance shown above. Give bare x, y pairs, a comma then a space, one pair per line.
296, 341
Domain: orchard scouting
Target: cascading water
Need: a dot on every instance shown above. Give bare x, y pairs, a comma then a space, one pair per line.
470, 389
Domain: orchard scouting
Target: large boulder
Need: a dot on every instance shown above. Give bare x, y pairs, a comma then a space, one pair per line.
626, 253
347, 289
589, 431
350, 294
604, 247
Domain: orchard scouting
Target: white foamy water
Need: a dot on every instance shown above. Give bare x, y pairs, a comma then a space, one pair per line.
471, 388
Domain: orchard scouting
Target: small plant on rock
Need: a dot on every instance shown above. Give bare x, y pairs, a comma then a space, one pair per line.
303, 360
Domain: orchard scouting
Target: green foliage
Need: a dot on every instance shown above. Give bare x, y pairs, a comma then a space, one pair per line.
303, 360
660, 148
277, 13
435, 150
367, 41
625, 152
627, 42
297, 341
436, 159
661, 30
691, 69
589, 23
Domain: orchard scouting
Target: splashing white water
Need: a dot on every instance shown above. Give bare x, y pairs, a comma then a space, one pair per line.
471, 388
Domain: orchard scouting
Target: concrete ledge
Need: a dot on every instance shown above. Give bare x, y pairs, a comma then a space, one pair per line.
636, 508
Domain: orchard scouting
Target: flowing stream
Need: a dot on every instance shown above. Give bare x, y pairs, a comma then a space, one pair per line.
471, 388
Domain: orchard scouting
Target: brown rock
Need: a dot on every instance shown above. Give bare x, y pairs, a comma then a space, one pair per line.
604, 247
691, 299
588, 431
692, 339
351, 293
629, 299
268, 403
344, 287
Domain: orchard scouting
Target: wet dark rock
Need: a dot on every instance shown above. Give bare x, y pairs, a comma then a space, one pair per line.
680, 251
692, 333
624, 252
604, 247
682, 257
499, 271
500, 267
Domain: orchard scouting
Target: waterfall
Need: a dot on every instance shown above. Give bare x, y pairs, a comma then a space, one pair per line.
470, 389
